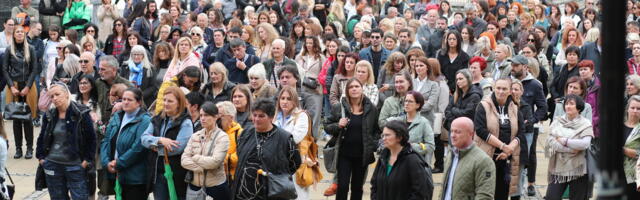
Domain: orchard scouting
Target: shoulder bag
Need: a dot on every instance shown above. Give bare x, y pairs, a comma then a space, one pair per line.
6, 189
331, 149
279, 186
307, 175
199, 194
17, 110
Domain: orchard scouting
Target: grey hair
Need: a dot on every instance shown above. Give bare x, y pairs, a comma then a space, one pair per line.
470, 7
226, 108
258, 71
279, 41
145, 60
71, 64
236, 43
110, 61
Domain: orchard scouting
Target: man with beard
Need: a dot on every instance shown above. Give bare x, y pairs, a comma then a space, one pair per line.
405, 38
534, 96
435, 40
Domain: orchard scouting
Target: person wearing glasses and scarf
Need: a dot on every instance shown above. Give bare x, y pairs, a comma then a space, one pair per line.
141, 73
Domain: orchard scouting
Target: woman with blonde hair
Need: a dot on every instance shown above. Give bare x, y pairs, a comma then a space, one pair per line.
248, 33
197, 37
260, 87
219, 87
89, 44
266, 34
336, 13
396, 63
365, 74
592, 35
182, 58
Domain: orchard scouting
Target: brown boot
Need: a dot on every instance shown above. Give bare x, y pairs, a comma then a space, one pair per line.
331, 190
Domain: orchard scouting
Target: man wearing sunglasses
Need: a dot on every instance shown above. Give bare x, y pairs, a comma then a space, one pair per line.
375, 54
87, 66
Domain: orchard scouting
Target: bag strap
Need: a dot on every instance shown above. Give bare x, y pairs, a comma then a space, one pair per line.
204, 180
9, 175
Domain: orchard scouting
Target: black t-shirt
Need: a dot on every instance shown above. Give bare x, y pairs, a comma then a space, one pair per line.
626, 131
352, 142
376, 62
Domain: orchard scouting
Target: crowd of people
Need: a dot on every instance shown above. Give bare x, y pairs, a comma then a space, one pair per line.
232, 96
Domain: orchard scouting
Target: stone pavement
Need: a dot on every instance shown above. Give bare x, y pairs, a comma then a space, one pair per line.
23, 173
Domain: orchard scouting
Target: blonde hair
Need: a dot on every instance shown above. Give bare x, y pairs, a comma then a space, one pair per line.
218, 67
25, 43
271, 32
176, 53
367, 64
337, 9
593, 35
197, 29
391, 60
89, 39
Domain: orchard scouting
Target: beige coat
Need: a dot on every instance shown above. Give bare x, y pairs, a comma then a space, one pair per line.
196, 158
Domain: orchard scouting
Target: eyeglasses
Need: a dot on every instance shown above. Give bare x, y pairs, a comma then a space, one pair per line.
531, 40
91, 31
194, 34
59, 48
376, 37
84, 61
118, 24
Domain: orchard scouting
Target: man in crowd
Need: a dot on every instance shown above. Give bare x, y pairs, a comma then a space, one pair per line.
240, 63
375, 54
108, 72
225, 53
277, 61
470, 168
477, 23
435, 39
25, 7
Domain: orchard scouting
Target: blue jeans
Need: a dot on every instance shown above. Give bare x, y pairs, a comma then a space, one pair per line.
63, 180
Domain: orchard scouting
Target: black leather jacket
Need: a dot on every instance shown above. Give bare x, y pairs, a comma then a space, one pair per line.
16, 68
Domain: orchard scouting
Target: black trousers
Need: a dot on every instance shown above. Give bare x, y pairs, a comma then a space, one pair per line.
351, 172
439, 153
18, 126
533, 160
632, 192
577, 189
503, 179
134, 191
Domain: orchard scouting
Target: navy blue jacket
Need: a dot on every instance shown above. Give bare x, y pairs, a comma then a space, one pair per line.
235, 74
81, 137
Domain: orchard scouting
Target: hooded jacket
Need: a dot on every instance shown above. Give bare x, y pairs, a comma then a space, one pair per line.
464, 107
407, 179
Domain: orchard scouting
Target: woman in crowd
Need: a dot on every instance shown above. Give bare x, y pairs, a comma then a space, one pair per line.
260, 87
494, 28
631, 135
89, 44
167, 136
354, 121
420, 132
55, 62
162, 54
346, 70
107, 14
216, 19
248, 32
92, 30
296, 121
570, 37
88, 95
204, 156
393, 105
70, 66
189, 80
632, 86
566, 147
327, 72
526, 26
266, 33
425, 83
19, 70
399, 172
121, 151
219, 87
133, 39
570, 10
50, 45
140, 72
182, 58
364, 74
567, 70
451, 57
242, 99
297, 35
517, 90
587, 73
468, 40
476, 67
634, 62
7, 34
576, 86
309, 65
395, 63
263, 147
60, 151
465, 98
115, 43
199, 44
227, 123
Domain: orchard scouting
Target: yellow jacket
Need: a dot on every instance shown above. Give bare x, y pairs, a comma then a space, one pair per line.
231, 160
159, 101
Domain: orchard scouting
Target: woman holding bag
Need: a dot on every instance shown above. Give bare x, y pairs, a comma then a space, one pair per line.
204, 157
19, 71
296, 121
354, 122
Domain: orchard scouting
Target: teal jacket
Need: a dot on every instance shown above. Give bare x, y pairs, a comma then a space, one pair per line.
420, 135
131, 163
77, 16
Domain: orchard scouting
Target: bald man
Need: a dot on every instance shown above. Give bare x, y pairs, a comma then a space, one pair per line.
472, 171
87, 66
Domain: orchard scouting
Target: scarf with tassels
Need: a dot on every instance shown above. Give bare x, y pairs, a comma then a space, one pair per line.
567, 166
136, 73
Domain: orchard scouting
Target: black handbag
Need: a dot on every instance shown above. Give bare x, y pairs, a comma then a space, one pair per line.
332, 148
279, 186
41, 182
17, 110
311, 83
11, 189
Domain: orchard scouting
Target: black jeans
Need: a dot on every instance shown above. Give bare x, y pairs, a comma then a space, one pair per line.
219, 192
134, 191
503, 179
632, 192
577, 189
533, 161
439, 153
351, 171
28, 133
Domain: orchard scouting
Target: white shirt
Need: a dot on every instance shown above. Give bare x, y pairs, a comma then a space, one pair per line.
452, 173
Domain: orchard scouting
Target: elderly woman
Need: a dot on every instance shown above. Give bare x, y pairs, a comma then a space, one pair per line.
227, 112
566, 147
632, 86
205, 154
477, 65
121, 152
631, 147
167, 136
19, 70
242, 99
264, 147
296, 121
140, 72
260, 88
420, 132
219, 87
182, 58
199, 44
66, 145
407, 179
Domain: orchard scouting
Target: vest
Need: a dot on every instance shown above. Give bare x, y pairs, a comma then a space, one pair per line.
494, 128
